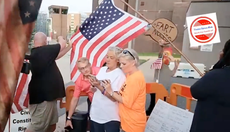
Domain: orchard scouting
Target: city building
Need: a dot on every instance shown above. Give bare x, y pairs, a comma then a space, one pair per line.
74, 20
58, 16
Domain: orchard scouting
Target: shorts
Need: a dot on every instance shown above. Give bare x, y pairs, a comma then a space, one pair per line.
43, 115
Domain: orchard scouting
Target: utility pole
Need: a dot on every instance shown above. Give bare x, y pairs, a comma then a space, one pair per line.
126, 8
131, 44
136, 15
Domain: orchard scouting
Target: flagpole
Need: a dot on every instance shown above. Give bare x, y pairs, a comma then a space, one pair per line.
186, 58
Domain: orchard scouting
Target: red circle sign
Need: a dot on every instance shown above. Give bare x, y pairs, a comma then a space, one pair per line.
203, 29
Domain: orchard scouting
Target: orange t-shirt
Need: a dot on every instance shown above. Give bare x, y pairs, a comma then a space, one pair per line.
132, 110
82, 85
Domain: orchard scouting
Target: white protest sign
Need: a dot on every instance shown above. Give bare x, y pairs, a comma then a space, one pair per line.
168, 118
18, 121
203, 29
206, 48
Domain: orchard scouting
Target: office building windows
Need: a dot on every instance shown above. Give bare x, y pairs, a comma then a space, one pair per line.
56, 10
64, 11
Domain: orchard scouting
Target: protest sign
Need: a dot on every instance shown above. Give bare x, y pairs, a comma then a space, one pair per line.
18, 122
168, 118
162, 26
203, 29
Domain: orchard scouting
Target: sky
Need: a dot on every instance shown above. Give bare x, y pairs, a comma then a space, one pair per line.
75, 6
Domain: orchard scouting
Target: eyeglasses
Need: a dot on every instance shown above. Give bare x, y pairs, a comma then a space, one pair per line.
82, 68
127, 52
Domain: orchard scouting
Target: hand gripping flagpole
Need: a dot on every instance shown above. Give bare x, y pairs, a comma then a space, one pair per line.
186, 58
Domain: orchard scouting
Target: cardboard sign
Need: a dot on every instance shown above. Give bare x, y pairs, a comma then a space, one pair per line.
168, 118
162, 26
203, 29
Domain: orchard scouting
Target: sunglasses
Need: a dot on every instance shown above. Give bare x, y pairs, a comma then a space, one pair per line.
127, 52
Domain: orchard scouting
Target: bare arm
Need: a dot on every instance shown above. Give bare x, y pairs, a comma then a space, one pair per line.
64, 49
73, 106
116, 96
106, 93
62, 42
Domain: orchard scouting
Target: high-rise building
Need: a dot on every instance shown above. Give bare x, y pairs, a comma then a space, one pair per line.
58, 14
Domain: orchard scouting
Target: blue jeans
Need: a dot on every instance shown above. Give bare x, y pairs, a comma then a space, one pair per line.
112, 126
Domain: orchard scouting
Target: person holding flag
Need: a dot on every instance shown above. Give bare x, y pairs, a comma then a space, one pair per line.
46, 85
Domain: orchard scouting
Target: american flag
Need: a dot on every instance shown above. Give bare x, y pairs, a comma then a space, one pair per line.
106, 26
157, 64
16, 25
21, 97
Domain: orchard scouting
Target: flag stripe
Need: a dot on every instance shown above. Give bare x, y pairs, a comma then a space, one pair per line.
94, 41
124, 42
14, 108
19, 90
102, 33
75, 41
72, 55
105, 27
111, 39
129, 30
85, 41
21, 99
24, 94
26, 102
157, 64
75, 47
106, 39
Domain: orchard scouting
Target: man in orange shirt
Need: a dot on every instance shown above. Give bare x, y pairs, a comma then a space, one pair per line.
82, 85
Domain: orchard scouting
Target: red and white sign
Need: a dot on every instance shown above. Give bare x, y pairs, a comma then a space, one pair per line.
203, 30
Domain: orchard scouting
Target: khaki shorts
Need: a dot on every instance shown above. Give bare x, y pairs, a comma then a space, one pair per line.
43, 115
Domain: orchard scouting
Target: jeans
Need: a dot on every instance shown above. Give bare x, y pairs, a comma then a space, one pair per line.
89, 105
112, 126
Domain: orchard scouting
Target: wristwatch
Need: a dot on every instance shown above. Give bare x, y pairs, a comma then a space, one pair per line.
68, 118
